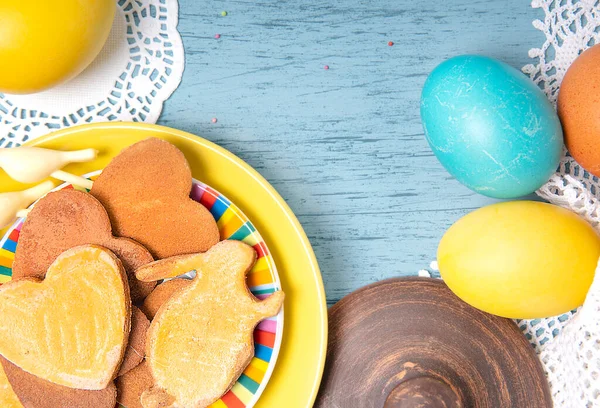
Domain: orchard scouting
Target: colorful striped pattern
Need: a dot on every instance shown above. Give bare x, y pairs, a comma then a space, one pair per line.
233, 224
7, 251
262, 281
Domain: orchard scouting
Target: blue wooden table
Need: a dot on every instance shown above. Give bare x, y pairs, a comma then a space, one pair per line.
343, 146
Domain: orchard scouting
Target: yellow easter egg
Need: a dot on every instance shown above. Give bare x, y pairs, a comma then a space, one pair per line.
44, 43
520, 259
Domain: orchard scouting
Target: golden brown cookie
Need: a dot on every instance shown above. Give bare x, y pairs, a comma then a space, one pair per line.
71, 328
68, 218
8, 398
131, 386
155, 397
33, 392
196, 351
161, 294
145, 190
136, 348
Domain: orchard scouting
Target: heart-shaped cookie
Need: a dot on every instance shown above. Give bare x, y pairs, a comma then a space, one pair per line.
8, 398
19, 389
200, 341
133, 384
136, 347
33, 392
71, 328
68, 218
161, 294
145, 190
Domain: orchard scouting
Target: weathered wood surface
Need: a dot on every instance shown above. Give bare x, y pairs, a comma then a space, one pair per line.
343, 146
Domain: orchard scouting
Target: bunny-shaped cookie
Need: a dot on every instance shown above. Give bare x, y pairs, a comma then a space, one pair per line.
201, 339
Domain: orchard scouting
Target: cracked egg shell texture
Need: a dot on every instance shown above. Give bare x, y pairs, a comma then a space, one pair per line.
490, 126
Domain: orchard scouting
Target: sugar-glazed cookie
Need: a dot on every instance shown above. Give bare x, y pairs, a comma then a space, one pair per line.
201, 339
72, 327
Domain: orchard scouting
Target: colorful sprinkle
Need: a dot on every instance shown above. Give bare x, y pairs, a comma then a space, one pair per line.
390, 43
223, 13
217, 36
326, 67
214, 120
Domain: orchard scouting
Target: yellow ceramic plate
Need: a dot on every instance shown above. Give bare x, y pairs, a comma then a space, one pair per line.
295, 380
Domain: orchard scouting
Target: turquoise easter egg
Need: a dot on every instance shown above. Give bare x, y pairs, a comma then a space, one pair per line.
490, 126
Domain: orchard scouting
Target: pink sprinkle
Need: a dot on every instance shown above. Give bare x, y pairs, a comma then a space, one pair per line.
217, 36
391, 43
326, 67
214, 120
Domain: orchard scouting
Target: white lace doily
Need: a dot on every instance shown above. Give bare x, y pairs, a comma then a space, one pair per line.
137, 70
571, 355
569, 345
572, 359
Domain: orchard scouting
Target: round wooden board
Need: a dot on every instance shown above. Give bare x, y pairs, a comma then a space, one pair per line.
410, 342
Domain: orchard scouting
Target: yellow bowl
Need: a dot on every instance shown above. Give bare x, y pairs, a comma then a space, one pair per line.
297, 375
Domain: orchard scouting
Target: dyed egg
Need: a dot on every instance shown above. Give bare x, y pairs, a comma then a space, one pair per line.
520, 259
490, 126
578, 107
45, 43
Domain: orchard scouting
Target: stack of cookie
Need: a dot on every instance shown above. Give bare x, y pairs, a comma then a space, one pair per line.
84, 322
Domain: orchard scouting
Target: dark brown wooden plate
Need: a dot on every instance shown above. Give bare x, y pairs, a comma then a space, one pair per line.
410, 342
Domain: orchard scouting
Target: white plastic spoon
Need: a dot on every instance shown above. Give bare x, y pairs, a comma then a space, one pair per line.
14, 204
32, 164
